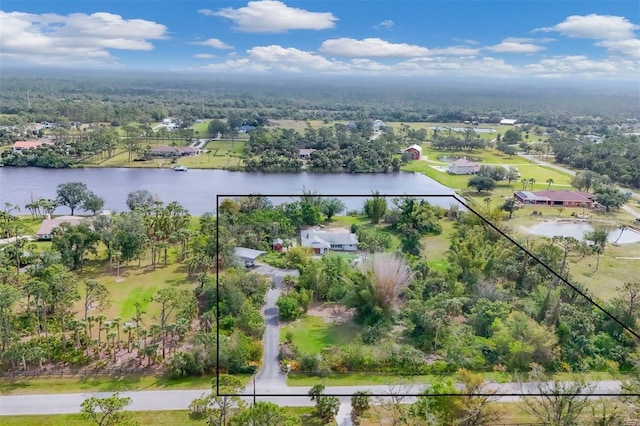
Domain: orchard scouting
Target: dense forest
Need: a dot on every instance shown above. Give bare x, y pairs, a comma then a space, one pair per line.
145, 98
617, 157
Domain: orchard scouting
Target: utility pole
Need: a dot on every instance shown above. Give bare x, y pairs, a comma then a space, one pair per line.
254, 389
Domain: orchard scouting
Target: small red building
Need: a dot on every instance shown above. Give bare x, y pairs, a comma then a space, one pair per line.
415, 151
277, 244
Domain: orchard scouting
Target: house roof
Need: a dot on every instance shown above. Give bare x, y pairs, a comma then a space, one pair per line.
561, 195
166, 148
247, 253
460, 162
49, 224
416, 147
310, 235
31, 144
508, 121
306, 151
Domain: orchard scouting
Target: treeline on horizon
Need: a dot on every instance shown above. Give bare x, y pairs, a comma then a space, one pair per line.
150, 98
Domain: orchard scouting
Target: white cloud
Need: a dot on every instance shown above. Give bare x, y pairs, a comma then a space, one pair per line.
511, 46
291, 59
462, 66
270, 16
600, 27
625, 48
73, 39
213, 42
455, 51
204, 56
370, 48
275, 58
579, 65
368, 65
386, 24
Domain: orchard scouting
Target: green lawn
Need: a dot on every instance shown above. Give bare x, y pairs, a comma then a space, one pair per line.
201, 128
368, 379
134, 285
169, 418
51, 385
311, 334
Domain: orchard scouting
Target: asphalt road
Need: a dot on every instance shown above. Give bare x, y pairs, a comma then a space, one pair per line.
291, 396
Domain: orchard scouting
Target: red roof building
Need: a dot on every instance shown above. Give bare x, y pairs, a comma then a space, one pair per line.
24, 145
556, 198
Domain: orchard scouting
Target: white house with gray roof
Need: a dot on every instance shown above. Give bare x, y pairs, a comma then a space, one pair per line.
322, 241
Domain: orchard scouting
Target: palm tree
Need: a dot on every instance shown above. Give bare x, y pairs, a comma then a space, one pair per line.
549, 181
532, 181
116, 322
524, 184
376, 289
599, 237
128, 328
622, 229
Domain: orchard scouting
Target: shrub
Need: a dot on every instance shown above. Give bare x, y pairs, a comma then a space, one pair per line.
288, 308
183, 364
309, 363
373, 334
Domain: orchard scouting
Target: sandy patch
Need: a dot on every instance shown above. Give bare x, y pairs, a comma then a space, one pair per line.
330, 312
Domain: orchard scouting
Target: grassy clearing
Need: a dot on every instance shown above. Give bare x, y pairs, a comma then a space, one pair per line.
368, 379
169, 418
134, 285
452, 181
222, 147
311, 334
201, 129
52, 385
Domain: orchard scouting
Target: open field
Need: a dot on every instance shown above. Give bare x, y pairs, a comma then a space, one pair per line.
131, 382
311, 334
134, 285
201, 128
151, 418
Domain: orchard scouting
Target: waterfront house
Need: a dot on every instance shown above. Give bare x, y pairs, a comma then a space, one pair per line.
20, 146
172, 151
323, 241
47, 226
462, 166
305, 153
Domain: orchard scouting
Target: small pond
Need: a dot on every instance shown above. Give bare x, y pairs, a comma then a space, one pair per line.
452, 158
577, 230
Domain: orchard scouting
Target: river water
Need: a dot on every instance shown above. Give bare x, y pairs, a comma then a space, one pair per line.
196, 190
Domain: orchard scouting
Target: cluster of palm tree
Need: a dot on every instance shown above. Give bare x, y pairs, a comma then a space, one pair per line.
41, 207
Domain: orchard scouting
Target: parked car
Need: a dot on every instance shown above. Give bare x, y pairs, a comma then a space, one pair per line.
638, 219
249, 264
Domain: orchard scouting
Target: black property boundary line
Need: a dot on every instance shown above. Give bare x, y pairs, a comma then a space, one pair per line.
386, 196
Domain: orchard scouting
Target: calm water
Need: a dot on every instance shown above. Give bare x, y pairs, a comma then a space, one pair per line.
577, 230
196, 190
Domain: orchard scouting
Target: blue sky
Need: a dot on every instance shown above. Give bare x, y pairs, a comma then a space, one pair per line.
510, 39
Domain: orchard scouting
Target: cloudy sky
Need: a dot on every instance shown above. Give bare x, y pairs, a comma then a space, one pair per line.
509, 38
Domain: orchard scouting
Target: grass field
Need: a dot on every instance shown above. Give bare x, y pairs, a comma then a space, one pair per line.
311, 334
134, 285
152, 418
52, 385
